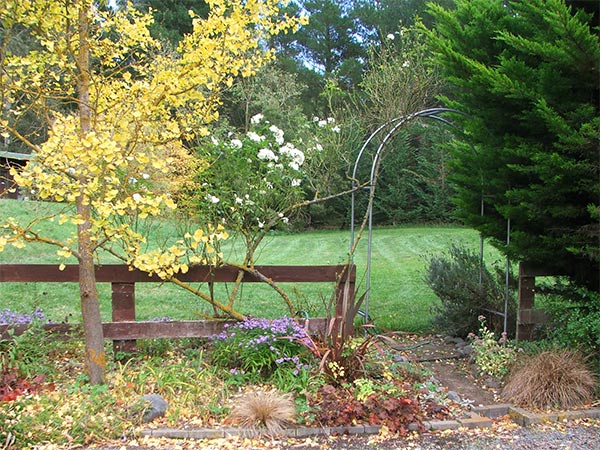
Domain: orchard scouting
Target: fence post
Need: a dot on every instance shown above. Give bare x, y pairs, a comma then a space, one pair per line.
123, 310
526, 303
345, 303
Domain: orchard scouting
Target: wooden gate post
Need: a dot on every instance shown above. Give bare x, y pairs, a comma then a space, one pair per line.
123, 310
346, 298
527, 315
526, 302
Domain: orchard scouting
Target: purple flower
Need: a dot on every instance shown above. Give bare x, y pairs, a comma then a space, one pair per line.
8, 317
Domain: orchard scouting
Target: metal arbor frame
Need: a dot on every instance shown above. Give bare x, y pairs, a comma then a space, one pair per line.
391, 129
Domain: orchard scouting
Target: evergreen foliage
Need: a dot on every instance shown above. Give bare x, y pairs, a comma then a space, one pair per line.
526, 72
171, 17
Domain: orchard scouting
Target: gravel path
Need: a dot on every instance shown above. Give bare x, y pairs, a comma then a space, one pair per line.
579, 438
579, 435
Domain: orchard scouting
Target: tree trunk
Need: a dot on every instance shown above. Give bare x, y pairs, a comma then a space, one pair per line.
95, 356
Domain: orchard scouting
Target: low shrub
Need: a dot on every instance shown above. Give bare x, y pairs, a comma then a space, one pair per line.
551, 379
26, 364
77, 417
261, 350
575, 317
466, 290
492, 356
339, 406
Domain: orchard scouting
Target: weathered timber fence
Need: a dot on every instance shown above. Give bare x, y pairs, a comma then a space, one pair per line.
124, 329
527, 316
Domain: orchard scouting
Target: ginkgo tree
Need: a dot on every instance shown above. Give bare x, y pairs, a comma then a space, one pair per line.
116, 105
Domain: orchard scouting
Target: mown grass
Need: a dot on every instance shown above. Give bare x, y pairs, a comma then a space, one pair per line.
399, 299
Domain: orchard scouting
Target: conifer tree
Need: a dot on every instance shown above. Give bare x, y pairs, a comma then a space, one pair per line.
526, 73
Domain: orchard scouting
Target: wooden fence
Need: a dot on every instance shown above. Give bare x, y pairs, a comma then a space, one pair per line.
124, 329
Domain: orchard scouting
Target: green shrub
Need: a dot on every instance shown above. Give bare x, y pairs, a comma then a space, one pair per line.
575, 317
455, 279
262, 350
94, 416
492, 356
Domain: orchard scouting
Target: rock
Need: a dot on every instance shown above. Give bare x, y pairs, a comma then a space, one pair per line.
157, 407
467, 350
458, 342
400, 358
491, 382
453, 396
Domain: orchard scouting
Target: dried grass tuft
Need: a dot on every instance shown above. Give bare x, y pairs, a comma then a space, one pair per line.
264, 409
552, 379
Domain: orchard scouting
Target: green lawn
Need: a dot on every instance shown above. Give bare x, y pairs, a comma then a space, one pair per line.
400, 299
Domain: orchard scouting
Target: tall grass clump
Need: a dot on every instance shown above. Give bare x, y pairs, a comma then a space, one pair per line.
557, 378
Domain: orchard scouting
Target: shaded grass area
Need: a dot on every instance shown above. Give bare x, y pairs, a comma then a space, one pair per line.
399, 298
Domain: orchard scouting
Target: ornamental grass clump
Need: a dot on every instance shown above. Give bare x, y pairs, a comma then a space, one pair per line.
552, 379
264, 409
260, 350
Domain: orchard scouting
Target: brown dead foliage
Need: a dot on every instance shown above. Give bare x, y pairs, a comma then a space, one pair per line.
552, 379
262, 409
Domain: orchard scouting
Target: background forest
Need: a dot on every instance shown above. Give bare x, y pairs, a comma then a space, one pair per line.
357, 64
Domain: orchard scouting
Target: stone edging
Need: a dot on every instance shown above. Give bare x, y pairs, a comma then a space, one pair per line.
479, 417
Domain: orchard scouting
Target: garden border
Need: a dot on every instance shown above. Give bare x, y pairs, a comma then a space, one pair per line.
478, 417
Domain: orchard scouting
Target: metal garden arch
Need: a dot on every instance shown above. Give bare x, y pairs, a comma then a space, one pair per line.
389, 131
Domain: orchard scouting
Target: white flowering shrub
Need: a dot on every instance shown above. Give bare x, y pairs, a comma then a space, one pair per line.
252, 181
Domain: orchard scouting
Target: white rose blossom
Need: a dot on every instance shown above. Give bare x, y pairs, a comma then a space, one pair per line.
296, 156
256, 119
236, 143
266, 154
255, 137
277, 134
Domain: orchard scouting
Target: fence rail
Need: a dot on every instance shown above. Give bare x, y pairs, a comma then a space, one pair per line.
124, 329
